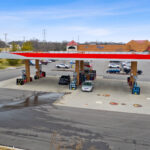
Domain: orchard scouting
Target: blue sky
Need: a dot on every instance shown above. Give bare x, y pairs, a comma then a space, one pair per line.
90, 20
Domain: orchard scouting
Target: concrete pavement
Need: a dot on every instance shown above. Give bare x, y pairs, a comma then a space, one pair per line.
105, 91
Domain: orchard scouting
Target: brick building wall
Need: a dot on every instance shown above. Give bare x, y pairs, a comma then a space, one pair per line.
137, 46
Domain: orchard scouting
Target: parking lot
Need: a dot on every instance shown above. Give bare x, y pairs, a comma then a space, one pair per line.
107, 88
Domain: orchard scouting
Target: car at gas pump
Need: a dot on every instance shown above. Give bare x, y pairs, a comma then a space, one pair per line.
87, 86
64, 80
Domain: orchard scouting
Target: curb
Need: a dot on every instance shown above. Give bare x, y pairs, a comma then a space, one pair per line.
8, 148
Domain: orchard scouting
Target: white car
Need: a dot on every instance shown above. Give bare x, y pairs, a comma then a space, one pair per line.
62, 66
126, 63
126, 67
32, 62
87, 86
114, 66
49, 60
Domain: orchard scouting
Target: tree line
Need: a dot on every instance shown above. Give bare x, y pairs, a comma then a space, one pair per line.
36, 45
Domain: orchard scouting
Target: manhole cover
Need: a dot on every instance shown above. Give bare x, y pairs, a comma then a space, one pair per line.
106, 95
113, 103
123, 104
99, 102
137, 105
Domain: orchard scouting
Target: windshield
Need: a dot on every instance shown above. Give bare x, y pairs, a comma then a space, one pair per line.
87, 83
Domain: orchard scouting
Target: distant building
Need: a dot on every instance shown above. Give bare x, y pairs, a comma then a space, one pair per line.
132, 46
72, 46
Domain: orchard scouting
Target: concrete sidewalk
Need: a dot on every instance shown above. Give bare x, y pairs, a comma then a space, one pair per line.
105, 91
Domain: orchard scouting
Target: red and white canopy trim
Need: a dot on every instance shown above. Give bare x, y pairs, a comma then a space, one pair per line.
63, 55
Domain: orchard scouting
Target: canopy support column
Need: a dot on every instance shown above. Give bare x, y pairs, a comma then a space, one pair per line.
133, 72
77, 70
81, 65
27, 68
37, 66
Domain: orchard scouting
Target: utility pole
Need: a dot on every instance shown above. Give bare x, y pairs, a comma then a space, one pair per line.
24, 38
5, 34
44, 39
78, 38
44, 35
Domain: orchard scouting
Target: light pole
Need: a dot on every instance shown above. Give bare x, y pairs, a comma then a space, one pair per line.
5, 34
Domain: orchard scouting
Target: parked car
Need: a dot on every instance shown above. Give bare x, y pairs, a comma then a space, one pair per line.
44, 62
53, 60
62, 66
114, 62
87, 86
72, 62
114, 65
126, 67
126, 63
139, 72
128, 70
49, 60
32, 62
64, 80
114, 70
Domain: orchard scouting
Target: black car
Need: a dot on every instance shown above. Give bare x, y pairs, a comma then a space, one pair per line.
64, 80
139, 72
127, 71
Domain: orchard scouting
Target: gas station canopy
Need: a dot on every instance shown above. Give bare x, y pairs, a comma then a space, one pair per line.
64, 55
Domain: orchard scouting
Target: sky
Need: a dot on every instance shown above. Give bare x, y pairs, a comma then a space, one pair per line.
79, 20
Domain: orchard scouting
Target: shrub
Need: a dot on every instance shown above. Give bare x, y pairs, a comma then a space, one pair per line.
14, 62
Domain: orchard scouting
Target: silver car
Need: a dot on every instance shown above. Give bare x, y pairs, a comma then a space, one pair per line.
87, 86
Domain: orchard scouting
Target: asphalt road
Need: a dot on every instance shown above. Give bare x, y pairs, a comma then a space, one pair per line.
9, 73
6, 74
99, 66
46, 127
